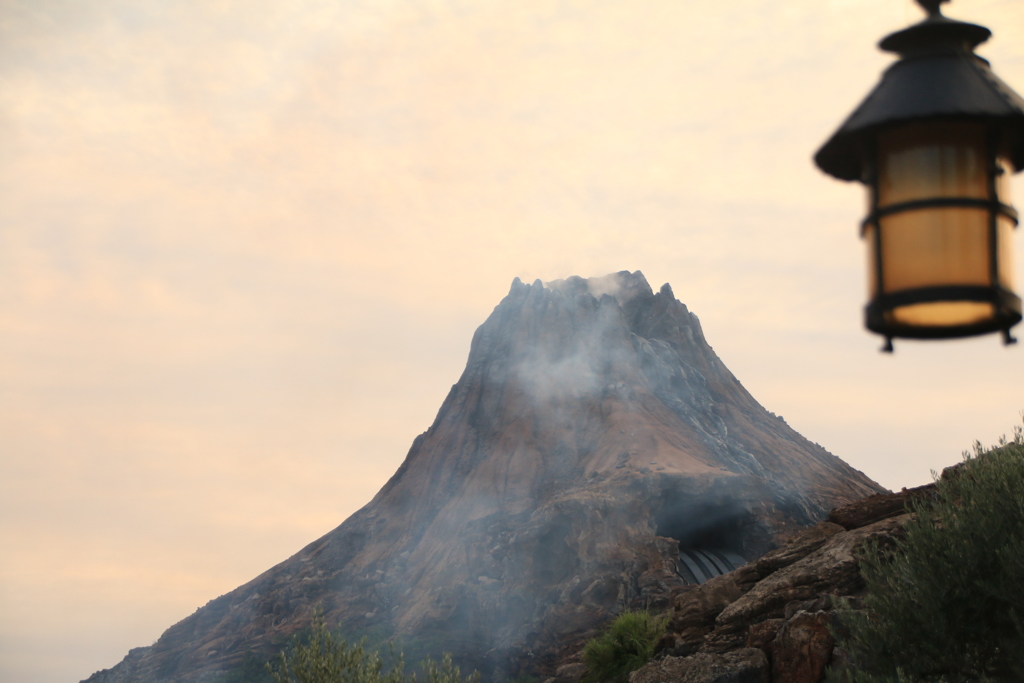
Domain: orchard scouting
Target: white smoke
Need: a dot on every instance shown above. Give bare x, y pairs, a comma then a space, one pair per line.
622, 286
576, 366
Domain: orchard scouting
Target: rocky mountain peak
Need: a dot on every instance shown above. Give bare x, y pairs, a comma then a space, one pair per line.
623, 286
594, 456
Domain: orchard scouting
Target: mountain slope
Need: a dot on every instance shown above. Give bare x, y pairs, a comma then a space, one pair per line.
593, 434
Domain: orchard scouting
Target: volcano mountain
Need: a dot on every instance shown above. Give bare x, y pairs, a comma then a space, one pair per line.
595, 455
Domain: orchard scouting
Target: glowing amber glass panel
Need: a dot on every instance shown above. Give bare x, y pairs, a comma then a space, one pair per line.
935, 247
928, 161
1004, 241
870, 235
942, 314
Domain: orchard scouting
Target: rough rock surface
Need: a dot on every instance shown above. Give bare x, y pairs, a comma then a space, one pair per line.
762, 634
592, 433
879, 506
831, 569
797, 548
787, 612
802, 649
748, 665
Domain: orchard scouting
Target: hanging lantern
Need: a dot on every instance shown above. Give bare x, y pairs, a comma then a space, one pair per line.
935, 143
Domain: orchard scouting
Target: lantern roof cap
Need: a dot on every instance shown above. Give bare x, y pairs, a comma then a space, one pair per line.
937, 77
936, 31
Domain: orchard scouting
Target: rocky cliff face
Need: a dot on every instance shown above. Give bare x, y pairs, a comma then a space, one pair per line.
774, 620
593, 435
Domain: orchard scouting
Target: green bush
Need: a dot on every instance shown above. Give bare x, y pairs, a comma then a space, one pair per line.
445, 672
326, 659
625, 646
946, 603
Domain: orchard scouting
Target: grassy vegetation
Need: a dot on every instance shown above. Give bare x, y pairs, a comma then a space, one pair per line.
625, 646
325, 658
947, 603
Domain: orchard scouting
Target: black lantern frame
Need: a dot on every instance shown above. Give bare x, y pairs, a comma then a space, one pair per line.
939, 82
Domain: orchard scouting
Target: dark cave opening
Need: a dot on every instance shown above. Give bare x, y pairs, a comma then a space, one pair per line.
703, 523
713, 533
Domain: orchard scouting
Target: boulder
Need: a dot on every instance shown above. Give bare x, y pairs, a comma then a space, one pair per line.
723, 641
877, 507
761, 634
700, 606
675, 645
824, 602
747, 665
831, 569
695, 610
802, 544
802, 649
781, 606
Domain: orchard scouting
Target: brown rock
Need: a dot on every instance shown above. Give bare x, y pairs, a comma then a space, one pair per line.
748, 665
656, 586
761, 634
833, 569
880, 506
700, 606
689, 640
570, 672
823, 602
695, 610
723, 641
802, 649
674, 645
797, 548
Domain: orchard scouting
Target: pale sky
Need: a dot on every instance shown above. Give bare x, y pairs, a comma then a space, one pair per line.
244, 246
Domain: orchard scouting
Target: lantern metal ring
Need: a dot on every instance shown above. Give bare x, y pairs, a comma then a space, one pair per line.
934, 143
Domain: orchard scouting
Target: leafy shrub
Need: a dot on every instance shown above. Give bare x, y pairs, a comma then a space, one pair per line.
445, 672
625, 646
326, 659
947, 602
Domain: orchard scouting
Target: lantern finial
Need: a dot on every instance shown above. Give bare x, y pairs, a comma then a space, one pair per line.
932, 7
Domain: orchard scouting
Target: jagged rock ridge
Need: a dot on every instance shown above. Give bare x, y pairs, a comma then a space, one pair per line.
775, 620
593, 434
